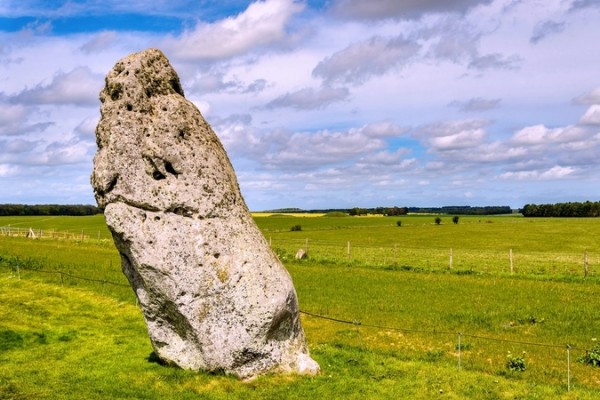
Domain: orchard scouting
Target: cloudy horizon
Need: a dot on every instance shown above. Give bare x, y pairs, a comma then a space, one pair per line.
323, 104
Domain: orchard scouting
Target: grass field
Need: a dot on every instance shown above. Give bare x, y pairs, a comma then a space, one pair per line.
64, 337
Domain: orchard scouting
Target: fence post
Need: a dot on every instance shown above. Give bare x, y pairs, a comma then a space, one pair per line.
510, 256
451, 256
348, 249
568, 368
586, 270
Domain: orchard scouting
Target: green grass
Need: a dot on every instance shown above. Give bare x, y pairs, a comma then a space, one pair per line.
65, 343
478, 244
73, 338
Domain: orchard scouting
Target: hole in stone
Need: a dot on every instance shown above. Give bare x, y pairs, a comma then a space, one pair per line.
157, 218
217, 255
129, 107
176, 86
158, 175
111, 185
169, 168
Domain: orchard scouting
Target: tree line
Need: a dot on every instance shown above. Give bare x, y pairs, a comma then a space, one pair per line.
48, 209
571, 209
462, 210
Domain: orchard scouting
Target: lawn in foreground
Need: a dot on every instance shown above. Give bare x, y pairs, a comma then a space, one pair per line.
64, 343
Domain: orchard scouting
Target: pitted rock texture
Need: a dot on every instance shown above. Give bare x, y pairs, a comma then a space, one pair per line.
213, 294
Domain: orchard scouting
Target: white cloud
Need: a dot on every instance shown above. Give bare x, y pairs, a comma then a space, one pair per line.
7, 170
591, 116
78, 87
102, 41
592, 97
406, 9
262, 24
475, 104
556, 172
309, 98
360, 61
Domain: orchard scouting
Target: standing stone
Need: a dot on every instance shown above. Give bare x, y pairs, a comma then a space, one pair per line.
213, 294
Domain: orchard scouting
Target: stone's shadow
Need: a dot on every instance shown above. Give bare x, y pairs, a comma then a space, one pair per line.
155, 359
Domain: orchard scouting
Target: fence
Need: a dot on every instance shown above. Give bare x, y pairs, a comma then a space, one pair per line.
395, 256
41, 233
459, 348
460, 260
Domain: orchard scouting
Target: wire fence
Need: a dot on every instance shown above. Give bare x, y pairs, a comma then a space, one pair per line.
394, 256
36, 233
460, 349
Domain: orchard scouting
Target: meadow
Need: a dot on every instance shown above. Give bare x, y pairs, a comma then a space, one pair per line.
384, 315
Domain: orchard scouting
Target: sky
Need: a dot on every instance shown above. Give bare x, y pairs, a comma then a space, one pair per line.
322, 104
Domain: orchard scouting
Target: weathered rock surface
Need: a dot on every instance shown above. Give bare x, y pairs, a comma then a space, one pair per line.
213, 294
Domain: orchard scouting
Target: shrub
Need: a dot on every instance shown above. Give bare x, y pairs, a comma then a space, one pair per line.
296, 228
591, 357
438, 220
455, 219
516, 363
399, 223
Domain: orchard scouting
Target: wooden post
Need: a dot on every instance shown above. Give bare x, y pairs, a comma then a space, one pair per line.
510, 256
586, 270
348, 249
450, 266
307, 246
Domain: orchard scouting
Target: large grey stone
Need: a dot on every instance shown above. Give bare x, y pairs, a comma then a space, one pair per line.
213, 294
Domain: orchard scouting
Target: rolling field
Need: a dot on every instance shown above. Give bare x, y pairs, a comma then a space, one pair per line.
399, 312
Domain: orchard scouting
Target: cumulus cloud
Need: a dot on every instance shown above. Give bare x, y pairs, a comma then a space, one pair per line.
542, 30
475, 104
78, 87
591, 116
556, 172
592, 97
360, 61
406, 9
309, 98
452, 135
282, 150
263, 23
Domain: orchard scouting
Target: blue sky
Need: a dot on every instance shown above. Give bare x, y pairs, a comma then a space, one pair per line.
323, 104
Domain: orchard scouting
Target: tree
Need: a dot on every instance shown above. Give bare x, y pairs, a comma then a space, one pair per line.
455, 219
438, 220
